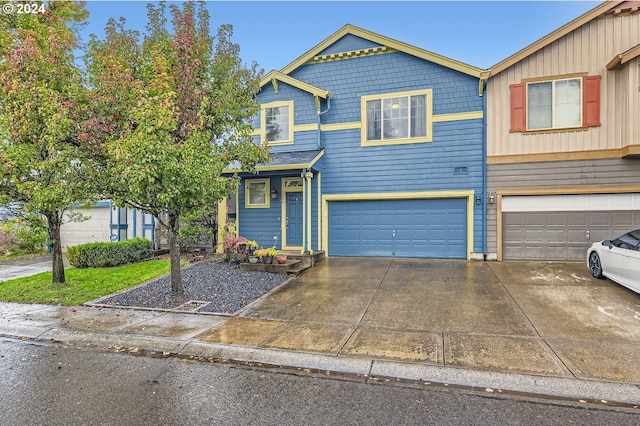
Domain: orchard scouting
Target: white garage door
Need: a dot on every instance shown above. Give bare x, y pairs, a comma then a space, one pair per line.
92, 230
562, 227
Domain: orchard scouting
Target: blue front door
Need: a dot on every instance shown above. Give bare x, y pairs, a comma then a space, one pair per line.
294, 219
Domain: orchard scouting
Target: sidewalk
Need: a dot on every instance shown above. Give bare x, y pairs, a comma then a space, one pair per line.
474, 325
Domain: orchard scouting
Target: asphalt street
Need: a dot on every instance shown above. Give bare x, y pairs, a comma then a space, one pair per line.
53, 384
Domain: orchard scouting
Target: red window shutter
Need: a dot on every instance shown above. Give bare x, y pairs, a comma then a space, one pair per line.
591, 101
518, 107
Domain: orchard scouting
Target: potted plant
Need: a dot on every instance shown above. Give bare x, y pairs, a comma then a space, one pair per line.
281, 259
253, 258
251, 246
267, 254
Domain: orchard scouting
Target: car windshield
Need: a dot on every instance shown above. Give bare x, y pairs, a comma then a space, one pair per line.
628, 241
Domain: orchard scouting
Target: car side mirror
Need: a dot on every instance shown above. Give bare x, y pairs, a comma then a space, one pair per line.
607, 243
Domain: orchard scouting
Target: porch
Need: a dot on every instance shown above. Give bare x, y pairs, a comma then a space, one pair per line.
295, 264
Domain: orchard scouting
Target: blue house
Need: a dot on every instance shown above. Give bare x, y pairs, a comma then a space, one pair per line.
377, 149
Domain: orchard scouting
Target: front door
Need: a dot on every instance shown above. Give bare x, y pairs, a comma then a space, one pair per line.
294, 219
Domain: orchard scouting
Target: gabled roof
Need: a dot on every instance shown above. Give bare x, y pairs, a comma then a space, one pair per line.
384, 41
557, 34
624, 57
275, 76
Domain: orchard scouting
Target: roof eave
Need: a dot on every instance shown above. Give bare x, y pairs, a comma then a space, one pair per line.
282, 167
624, 57
550, 38
386, 41
277, 75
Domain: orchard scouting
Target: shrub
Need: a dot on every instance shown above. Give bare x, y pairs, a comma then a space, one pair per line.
98, 255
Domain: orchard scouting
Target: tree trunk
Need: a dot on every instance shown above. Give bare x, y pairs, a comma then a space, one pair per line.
174, 253
56, 248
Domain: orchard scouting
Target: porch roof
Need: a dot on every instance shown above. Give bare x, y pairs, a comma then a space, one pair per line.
293, 160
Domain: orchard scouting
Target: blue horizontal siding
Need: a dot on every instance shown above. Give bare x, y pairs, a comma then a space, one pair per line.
346, 166
349, 80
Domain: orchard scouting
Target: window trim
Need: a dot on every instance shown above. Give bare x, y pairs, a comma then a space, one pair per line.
591, 103
428, 93
263, 122
553, 82
267, 194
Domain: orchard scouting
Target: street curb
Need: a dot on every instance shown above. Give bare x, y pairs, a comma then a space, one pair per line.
576, 390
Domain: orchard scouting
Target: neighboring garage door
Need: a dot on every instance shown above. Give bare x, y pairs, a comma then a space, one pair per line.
431, 228
562, 227
96, 228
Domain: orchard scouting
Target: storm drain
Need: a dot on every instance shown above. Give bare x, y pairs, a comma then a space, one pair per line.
192, 306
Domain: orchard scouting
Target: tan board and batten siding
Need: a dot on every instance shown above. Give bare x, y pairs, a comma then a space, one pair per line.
595, 160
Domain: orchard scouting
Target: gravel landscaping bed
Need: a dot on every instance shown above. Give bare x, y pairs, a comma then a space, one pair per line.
211, 286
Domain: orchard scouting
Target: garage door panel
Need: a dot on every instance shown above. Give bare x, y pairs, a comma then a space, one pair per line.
400, 228
602, 219
561, 235
553, 219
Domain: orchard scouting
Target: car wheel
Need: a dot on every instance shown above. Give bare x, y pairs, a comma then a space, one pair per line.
594, 265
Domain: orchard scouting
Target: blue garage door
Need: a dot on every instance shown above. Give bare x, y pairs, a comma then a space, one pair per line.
435, 228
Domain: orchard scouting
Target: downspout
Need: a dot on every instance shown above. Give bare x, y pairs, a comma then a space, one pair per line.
320, 113
484, 169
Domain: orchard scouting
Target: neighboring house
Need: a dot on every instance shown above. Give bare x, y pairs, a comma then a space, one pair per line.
563, 138
377, 149
107, 223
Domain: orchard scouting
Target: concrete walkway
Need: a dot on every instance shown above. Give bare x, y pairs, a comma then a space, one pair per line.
539, 328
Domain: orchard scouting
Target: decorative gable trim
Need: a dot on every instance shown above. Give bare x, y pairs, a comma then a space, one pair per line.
384, 42
352, 54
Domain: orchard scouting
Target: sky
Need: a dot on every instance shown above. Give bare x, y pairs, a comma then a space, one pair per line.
276, 33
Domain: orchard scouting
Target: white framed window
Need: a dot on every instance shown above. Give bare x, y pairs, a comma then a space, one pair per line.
257, 193
403, 117
277, 123
554, 104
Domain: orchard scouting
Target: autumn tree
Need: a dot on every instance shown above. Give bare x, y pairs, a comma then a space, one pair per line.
41, 107
172, 110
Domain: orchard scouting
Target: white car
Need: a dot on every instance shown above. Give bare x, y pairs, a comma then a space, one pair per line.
618, 260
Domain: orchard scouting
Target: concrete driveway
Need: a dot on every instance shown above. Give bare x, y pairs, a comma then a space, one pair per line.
542, 318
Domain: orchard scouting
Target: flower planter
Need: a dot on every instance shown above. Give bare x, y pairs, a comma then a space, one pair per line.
281, 259
268, 260
253, 259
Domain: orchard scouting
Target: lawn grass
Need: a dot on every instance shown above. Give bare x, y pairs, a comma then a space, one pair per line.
82, 285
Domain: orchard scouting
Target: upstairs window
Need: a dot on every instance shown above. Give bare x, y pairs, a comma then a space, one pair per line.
396, 118
277, 122
554, 104
562, 103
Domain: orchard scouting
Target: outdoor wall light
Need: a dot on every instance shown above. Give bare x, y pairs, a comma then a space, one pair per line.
478, 199
274, 194
492, 197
